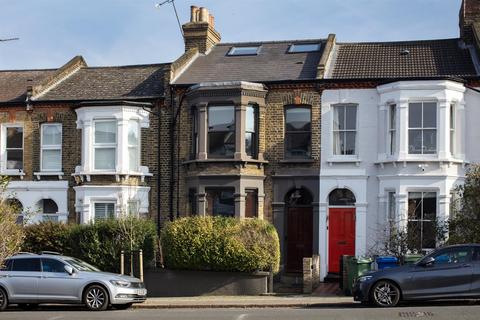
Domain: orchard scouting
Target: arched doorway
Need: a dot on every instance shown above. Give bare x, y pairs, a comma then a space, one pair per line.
299, 220
341, 227
17, 207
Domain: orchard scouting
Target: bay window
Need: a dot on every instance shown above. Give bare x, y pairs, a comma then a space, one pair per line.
392, 128
221, 131
422, 128
298, 132
14, 147
422, 214
51, 147
133, 145
105, 144
251, 139
344, 129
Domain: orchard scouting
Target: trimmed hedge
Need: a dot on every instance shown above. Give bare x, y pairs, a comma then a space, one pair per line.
220, 244
99, 243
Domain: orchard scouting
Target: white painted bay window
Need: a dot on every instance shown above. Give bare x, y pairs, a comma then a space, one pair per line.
105, 144
422, 128
133, 145
51, 150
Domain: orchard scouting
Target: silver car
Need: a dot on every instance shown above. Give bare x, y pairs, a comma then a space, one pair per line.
31, 279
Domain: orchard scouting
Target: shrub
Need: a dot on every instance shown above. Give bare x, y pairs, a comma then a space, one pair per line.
220, 244
98, 243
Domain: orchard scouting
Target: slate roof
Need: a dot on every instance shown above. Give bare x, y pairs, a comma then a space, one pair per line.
14, 83
272, 63
110, 83
429, 58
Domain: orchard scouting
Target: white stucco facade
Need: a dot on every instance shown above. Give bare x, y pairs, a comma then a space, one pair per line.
380, 166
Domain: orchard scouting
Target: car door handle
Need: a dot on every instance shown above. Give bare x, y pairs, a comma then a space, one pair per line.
466, 265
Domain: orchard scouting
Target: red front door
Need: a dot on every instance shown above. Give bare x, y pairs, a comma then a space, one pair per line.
341, 236
299, 236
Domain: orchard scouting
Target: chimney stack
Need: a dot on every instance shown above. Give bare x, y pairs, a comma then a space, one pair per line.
468, 17
200, 31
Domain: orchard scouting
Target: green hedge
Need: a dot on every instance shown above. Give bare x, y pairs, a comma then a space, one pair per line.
98, 243
220, 244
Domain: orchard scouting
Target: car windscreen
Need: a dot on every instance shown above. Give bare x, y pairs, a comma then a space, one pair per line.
80, 265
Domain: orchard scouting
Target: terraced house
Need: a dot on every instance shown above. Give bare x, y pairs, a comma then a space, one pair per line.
329, 141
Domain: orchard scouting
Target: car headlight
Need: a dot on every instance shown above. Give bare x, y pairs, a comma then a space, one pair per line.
120, 283
364, 278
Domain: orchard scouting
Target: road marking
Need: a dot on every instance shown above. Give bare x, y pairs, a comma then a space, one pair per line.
242, 316
418, 314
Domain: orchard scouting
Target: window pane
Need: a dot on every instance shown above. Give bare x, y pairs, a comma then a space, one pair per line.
105, 158
220, 202
51, 265
338, 142
15, 137
221, 144
429, 141
414, 239
428, 234
239, 51
104, 210
297, 119
349, 143
415, 205
49, 206
430, 115
221, 118
15, 159
429, 205
105, 131
51, 135
351, 117
415, 141
133, 158
304, 47
415, 115
251, 204
297, 145
133, 136
392, 117
338, 118
250, 114
133, 208
391, 206
28, 264
51, 160
249, 143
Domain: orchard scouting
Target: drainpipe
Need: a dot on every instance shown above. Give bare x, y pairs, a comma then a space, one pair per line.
159, 174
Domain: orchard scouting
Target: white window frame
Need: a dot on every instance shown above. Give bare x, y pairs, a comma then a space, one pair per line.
356, 153
51, 147
391, 218
452, 127
94, 203
392, 129
437, 199
114, 145
422, 128
137, 207
5, 126
137, 146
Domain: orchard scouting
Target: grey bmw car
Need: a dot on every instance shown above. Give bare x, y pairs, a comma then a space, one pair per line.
451, 272
32, 279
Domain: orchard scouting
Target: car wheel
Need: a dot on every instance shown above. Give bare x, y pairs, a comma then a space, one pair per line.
28, 306
3, 300
124, 306
385, 294
96, 298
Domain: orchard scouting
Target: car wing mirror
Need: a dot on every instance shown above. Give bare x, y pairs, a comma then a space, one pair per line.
427, 262
69, 269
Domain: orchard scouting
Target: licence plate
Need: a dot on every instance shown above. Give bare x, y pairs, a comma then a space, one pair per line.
141, 292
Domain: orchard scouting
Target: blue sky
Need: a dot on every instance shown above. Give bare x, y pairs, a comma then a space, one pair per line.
121, 32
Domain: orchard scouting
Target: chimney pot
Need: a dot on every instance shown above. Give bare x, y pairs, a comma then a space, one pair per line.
193, 13
203, 15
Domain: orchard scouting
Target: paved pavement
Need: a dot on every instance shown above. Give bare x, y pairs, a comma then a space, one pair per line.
289, 301
431, 311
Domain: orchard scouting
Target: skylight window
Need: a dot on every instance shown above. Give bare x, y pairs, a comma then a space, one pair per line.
243, 51
304, 47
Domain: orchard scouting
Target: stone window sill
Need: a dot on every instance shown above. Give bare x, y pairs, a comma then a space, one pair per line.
87, 175
231, 160
335, 160
297, 161
17, 173
48, 173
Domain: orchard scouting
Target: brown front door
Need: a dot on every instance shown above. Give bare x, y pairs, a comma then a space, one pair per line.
299, 236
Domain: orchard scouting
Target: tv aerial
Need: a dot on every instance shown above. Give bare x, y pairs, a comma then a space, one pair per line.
158, 5
9, 39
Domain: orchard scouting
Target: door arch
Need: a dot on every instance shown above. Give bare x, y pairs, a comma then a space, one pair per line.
341, 227
299, 226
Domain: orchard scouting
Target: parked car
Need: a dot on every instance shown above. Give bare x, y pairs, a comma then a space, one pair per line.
32, 279
451, 272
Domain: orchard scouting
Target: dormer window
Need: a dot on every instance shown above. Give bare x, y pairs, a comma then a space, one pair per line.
303, 47
243, 51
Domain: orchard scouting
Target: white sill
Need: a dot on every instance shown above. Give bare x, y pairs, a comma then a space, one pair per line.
112, 173
16, 173
354, 159
48, 173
